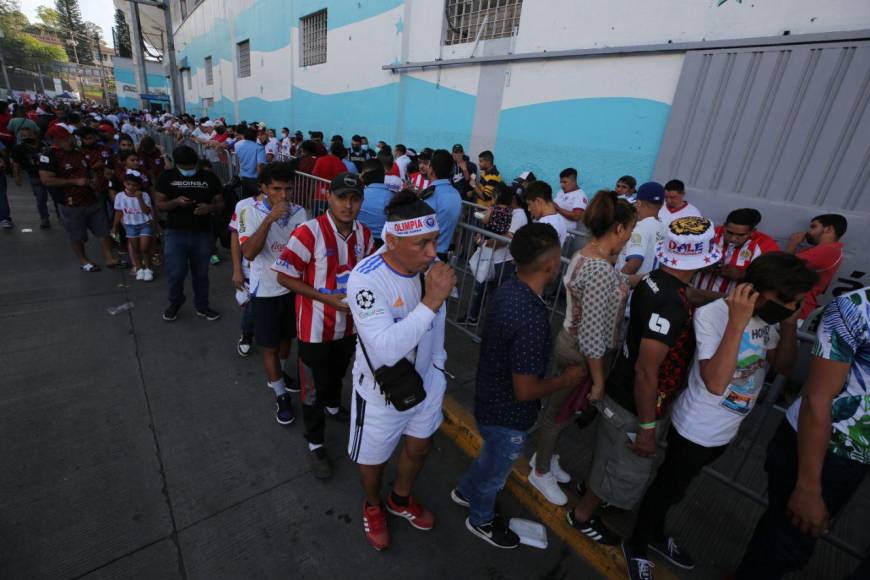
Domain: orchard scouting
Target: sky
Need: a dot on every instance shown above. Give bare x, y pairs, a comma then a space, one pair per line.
100, 12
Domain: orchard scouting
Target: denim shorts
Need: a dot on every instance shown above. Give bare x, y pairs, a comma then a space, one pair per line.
145, 230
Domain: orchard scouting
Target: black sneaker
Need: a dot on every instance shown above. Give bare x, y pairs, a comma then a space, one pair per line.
639, 568
284, 416
343, 416
593, 529
319, 463
208, 314
171, 313
44, 224
245, 344
289, 384
494, 533
669, 550
459, 499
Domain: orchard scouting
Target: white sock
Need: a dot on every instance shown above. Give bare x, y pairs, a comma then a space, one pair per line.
332, 410
278, 387
313, 446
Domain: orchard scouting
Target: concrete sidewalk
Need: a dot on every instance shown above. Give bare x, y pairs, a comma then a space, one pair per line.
134, 448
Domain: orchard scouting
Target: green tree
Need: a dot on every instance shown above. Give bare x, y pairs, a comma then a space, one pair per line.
19, 47
123, 46
73, 31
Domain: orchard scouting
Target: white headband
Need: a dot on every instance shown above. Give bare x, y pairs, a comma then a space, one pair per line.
411, 227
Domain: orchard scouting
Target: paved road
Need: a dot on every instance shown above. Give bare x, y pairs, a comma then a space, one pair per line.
133, 448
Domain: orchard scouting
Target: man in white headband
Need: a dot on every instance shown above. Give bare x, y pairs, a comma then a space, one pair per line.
396, 297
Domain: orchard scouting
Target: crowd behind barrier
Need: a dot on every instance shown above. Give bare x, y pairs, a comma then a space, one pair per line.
470, 236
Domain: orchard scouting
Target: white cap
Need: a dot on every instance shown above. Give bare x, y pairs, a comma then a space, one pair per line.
688, 244
208, 124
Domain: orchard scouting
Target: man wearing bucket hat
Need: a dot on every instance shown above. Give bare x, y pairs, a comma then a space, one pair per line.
650, 373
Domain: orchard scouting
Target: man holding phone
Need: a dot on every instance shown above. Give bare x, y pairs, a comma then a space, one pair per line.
189, 196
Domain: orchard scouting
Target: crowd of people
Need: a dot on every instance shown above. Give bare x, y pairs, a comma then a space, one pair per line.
672, 322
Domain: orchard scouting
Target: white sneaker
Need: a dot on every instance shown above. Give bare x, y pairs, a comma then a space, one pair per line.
148, 275
140, 274
560, 474
547, 485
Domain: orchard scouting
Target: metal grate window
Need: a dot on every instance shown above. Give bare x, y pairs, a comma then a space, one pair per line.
207, 103
243, 54
188, 78
209, 71
492, 18
312, 39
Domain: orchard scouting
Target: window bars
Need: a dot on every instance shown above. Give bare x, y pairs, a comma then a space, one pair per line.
243, 55
492, 18
209, 71
312, 39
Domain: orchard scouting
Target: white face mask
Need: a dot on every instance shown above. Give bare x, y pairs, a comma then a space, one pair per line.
365, 147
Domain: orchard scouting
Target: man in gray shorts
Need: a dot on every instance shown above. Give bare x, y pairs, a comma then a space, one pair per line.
64, 169
650, 372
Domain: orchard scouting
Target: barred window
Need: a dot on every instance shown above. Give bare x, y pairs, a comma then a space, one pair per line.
209, 72
183, 9
188, 78
312, 39
499, 19
243, 54
207, 103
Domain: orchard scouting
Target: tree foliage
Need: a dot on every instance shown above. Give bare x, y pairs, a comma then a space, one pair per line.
20, 48
123, 45
73, 32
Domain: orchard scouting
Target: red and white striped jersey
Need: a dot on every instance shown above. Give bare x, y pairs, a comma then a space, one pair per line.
759, 243
318, 255
419, 181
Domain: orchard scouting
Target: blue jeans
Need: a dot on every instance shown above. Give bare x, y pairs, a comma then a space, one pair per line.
41, 194
489, 472
185, 249
5, 212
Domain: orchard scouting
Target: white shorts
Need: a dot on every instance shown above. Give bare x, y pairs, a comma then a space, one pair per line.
375, 428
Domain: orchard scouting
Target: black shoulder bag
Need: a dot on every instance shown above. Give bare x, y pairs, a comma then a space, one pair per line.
400, 384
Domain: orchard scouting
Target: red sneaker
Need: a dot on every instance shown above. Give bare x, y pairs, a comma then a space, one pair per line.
375, 525
420, 517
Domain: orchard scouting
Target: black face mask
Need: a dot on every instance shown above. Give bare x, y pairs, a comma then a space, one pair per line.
773, 312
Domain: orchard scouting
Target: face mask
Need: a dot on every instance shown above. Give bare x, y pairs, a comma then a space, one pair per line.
187, 172
773, 312
365, 147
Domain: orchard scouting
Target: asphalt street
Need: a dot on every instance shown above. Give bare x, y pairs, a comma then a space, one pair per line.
136, 448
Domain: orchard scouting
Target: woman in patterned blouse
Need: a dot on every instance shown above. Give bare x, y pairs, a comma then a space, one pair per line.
596, 295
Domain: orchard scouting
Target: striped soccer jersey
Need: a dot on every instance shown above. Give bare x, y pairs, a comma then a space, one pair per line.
759, 243
319, 256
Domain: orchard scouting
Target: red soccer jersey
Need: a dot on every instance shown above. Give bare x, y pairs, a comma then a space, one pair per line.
825, 260
319, 256
328, 167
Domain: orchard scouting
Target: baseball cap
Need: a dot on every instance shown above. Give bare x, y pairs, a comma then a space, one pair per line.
651, 191
527, 176
298, 134
688, 244
208, 124
346, 183
458, 148
58, 131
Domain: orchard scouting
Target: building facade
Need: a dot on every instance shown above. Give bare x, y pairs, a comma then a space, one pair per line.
128, 94
739, 99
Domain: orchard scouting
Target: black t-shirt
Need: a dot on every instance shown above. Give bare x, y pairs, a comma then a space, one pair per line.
358, 157
27, 157
659, 311
516, 340
462, 185
202, 188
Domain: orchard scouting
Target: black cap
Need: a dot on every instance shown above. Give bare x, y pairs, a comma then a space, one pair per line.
458, 148
297, 134
346, 183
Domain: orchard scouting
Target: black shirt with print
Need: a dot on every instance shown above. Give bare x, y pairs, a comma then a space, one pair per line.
202, 187
659, 311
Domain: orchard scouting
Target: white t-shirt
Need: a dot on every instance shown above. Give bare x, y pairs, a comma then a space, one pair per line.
518, 220
272, 147
667, 216
264, 280
394, 183
570, 201
559, 224
234, 225
285, 146
392, 322
642, 244
402, 163
129, 205
713, 420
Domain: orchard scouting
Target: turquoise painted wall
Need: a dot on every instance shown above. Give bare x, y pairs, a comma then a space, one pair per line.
128, 76
602, 138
